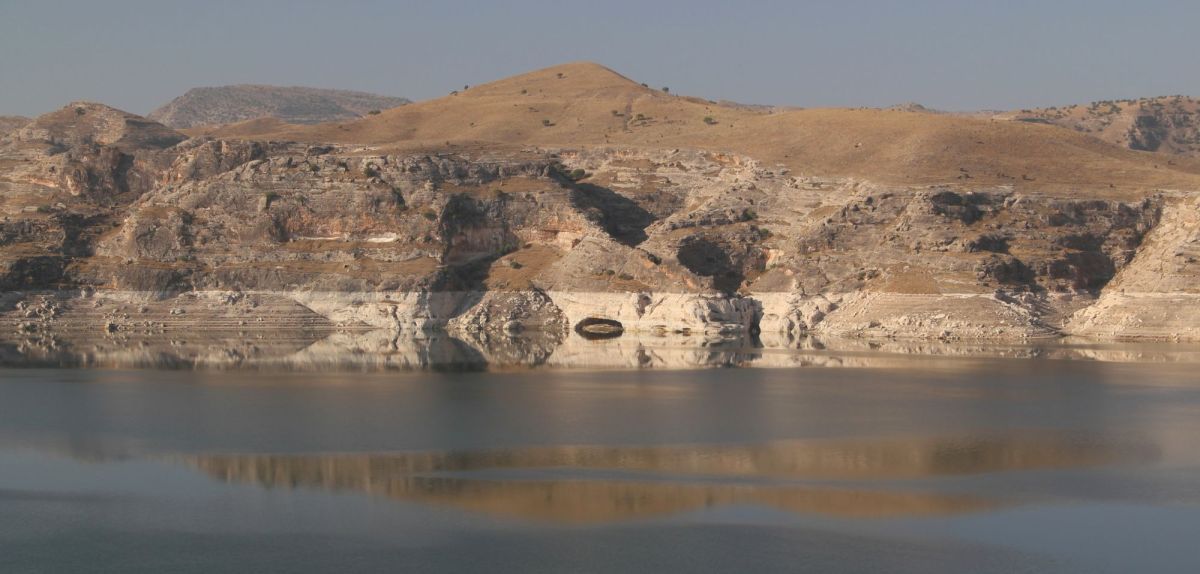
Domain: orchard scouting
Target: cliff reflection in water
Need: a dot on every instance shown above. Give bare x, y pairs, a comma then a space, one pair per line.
662, 480
391, 351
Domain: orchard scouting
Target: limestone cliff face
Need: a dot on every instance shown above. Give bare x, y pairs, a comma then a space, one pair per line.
1156, 294
114, 223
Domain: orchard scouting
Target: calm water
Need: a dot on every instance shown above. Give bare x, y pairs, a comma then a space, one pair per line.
946, 465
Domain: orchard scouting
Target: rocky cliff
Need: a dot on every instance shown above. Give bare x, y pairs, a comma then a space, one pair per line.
118, 225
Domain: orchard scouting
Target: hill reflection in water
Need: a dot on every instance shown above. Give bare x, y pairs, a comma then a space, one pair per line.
598, 484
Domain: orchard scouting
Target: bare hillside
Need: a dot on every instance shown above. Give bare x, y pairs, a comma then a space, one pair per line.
587, 104
228, 104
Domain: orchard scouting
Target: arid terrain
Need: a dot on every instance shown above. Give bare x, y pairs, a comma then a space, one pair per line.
573, 202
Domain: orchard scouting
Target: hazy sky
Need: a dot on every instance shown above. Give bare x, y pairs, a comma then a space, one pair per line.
969, 54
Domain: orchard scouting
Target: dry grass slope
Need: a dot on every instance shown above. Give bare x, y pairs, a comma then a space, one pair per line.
587, 104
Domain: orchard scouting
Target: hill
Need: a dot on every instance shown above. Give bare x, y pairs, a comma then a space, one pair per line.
1169, 124
575, 202
229, 104
85, 123
587, 104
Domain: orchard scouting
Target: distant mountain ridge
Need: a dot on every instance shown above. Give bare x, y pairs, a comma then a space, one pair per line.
296, 105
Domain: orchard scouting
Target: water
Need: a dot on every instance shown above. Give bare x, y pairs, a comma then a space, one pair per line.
935, 465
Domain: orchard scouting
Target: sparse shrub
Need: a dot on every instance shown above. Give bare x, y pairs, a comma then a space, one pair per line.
573, 175
514, 264
429, 214
625, 277
749, 214
641, 117
80, 111
560, 75
524, 91
373, 112
546, 123
666, 90
710, 120
609, 272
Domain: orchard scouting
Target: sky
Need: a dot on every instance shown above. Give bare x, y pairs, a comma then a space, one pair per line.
953, 55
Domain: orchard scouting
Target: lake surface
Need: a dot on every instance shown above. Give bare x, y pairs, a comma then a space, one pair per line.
937, 465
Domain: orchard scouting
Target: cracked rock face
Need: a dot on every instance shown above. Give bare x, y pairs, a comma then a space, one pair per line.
121, 225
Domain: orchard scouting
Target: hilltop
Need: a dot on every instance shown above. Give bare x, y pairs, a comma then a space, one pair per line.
1168, 124
587, 104
299, 105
